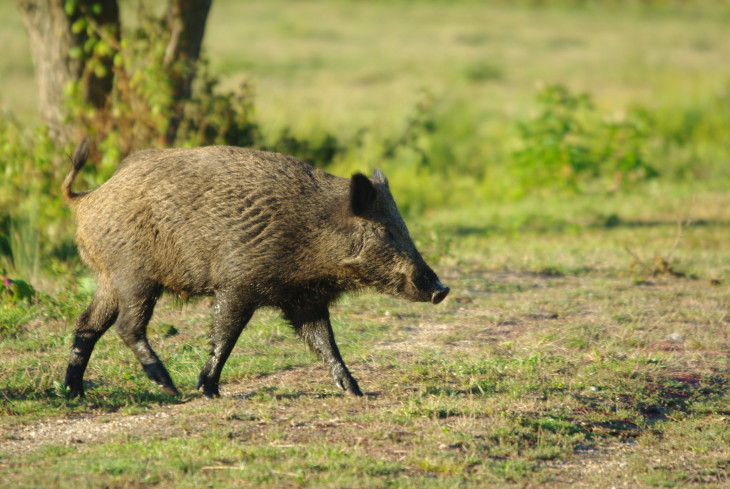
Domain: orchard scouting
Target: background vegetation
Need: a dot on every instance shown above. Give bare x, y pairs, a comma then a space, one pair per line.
564, 165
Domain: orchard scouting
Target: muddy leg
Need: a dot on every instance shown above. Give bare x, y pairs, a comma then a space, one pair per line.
230, 318
314, 326
134, 315
90, 326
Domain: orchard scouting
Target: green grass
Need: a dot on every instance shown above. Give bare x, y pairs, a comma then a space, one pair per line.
584, 343
532, 365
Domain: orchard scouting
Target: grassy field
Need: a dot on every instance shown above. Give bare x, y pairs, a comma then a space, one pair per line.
556, 361
586, 340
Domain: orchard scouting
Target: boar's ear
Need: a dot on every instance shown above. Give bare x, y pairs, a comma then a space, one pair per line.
379, 177
362, 194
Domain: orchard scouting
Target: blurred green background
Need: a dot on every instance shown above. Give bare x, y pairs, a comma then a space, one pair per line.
581, 110
563, 165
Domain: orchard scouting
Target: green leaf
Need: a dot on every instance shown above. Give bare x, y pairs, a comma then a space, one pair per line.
100, 70
89, 45
102, 48
79, 25
70, 7
76, 52
60, 389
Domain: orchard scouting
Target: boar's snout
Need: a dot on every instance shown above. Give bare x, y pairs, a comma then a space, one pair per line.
440, 293
426, 288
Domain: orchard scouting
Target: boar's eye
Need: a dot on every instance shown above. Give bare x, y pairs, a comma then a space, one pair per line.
385, 234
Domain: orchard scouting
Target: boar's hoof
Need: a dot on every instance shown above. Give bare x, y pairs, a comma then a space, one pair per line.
349, 385
74, 383
170, 389
74, 392
157, 373
210, 388
354, 391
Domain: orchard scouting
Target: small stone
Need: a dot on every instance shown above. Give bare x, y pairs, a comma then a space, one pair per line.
676, 337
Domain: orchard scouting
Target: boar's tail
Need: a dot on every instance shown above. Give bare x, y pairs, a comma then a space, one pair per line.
77, 160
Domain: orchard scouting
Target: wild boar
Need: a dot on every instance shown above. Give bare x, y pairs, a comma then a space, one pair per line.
251, 229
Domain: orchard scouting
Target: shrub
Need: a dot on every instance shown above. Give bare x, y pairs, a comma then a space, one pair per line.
33, 221
143, 105
142, 108
570, 145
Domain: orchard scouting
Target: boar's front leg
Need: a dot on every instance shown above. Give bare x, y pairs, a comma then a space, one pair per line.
230, 317
315, 327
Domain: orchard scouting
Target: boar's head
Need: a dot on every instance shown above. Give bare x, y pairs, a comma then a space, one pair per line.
383, 255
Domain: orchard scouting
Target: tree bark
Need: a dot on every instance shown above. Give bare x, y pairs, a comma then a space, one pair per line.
51, 41
186, 20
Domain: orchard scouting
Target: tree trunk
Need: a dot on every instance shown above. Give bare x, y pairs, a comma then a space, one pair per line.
186, 20
51, 41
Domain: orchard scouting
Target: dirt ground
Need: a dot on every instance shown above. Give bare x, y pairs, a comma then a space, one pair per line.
604, 464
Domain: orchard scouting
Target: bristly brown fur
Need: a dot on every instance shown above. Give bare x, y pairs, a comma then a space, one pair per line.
250, 228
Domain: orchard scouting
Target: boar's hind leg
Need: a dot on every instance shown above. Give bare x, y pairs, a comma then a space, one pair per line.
91, 324
134, 315
231, 316
315, 328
